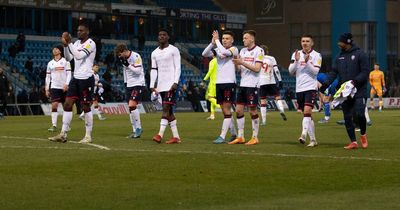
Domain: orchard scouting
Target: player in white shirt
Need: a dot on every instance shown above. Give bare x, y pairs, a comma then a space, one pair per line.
166, 70
269, 86
226, 79
57, 81
135, 83
98, 90
305, 65
81, 86
249, 63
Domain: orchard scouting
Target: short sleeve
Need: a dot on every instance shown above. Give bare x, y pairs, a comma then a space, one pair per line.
260, 56
317, 60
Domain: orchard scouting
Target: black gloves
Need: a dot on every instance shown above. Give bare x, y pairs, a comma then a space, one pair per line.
124, 62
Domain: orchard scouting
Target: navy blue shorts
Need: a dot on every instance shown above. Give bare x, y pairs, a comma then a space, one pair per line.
57, 95
226, 93
247, 96
81, 89
306, 98
135, 93
269, 90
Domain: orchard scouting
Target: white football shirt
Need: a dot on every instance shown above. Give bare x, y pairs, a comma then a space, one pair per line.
306, 77
166, 68
268, 68
83, 55
226, 67
134, 72
251, 56
58, 74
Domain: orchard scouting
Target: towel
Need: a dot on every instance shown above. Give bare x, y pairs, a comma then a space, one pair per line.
346, 90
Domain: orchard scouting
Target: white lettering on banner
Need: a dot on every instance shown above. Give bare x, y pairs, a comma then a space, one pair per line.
118, 108
390, 102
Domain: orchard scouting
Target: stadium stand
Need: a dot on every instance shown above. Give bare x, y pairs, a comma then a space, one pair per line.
39, 49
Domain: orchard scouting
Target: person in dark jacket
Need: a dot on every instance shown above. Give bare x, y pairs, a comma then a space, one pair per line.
5, 90
352, 65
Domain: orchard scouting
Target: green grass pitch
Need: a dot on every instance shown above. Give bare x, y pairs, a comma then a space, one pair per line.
279, 173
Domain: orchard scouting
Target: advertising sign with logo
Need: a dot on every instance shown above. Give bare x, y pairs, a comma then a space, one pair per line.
268, 12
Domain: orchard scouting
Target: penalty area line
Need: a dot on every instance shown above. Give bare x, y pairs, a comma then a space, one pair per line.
41, 139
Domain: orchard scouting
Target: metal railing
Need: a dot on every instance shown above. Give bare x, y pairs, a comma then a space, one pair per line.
23, 109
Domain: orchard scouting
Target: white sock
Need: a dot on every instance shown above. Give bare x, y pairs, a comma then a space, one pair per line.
232, 128
54, 116
306, 123
311, 129
136, 114
226, 124
96, 111
327, 117
263, 110
367, 114
255, 124
174, 129
163, 125
133, 121
240, 122
279, 105
89, 123
67, 117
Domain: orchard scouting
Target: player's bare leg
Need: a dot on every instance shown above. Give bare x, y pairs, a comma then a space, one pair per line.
380, 103
371, 102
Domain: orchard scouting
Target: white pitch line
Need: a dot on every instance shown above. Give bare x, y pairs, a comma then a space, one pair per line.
260, 154
197, 152
40, 139
41, 147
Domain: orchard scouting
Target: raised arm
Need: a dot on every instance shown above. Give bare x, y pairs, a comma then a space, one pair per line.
207, 51
314, 65
84, 52
137, 66
67, 54
222, 50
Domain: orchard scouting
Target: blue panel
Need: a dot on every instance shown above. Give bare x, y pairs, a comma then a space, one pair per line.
344, 12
